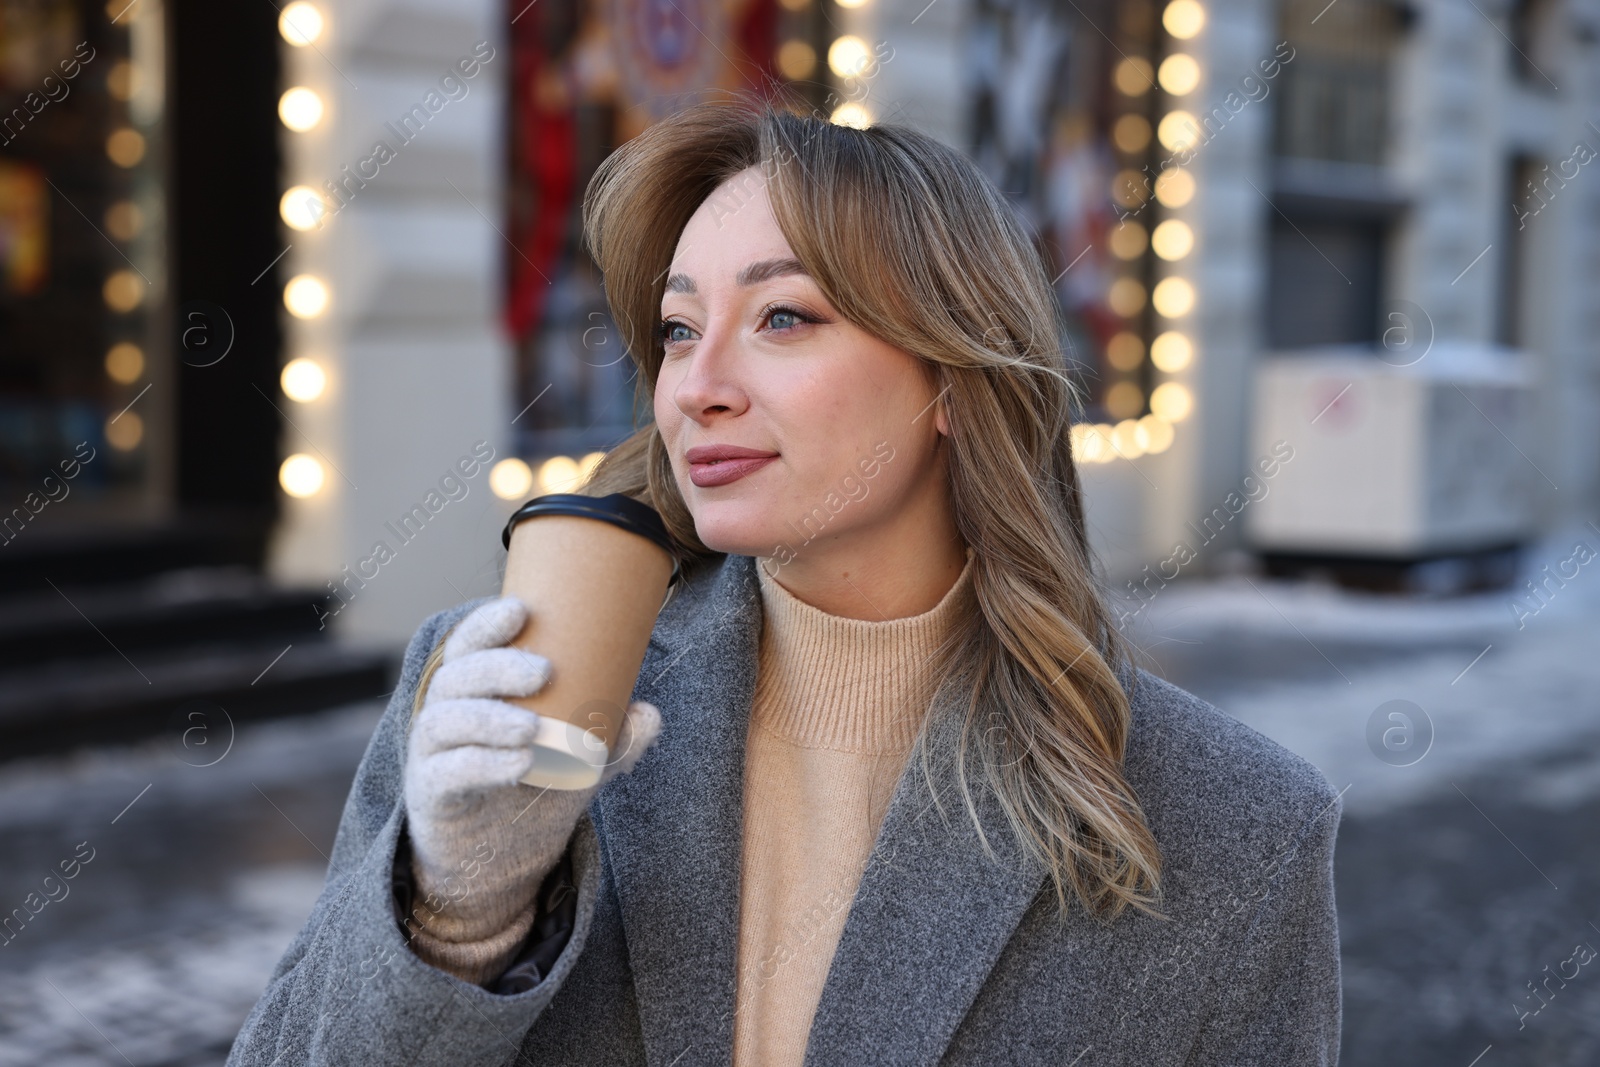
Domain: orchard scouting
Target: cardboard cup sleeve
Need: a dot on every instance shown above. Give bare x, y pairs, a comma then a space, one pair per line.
593, 572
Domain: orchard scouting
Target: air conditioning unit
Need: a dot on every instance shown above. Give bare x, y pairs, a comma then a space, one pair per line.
1394, 457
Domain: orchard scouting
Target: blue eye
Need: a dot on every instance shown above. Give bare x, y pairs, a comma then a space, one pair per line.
666, 328
778, 310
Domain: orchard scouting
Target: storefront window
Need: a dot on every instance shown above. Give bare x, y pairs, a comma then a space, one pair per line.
588, 76
82, 253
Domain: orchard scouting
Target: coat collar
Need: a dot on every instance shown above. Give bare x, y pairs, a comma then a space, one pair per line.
929, 919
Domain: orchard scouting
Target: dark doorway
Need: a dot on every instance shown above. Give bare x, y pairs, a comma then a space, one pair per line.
225, 237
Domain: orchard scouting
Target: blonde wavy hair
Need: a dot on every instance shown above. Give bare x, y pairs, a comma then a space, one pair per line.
909, 241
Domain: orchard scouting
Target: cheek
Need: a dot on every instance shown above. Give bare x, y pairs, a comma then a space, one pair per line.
666, 413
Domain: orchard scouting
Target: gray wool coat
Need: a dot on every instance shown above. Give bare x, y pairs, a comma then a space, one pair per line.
947, 956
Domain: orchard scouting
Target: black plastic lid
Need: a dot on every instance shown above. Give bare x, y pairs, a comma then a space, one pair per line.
618, 509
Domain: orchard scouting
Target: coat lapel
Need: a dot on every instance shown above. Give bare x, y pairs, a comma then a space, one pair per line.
672, 827
930, 917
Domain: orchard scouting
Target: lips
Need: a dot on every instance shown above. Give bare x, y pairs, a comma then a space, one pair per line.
717, 464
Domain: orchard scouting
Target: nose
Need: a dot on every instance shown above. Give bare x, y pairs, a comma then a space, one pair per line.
710, 385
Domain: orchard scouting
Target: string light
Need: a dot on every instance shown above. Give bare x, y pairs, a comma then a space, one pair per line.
1131, 133
1127, 240
303, 380
1184, 18
1171, 352
851, 114
300, 23
1133, 76
849, 56
1174, 187
301, 475
1178, 131
125, 362
796, 59
300, 109
1179, 74
1171, 401
125, 147
302, 208
125, 431
1173, 297
510, 479
1125, 297
123, 291
305, 296
1172, 240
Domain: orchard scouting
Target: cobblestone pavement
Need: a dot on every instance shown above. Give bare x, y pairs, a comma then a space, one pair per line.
197, 879
1466, 879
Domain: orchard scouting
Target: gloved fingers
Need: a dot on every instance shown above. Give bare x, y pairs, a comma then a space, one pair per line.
458, 779
641, 725
490, 672
472, 722
489, 625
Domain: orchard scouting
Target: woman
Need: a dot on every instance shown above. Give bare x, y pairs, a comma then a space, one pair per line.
890, 790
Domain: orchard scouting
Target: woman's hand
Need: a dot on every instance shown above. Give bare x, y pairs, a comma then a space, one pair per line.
482, 842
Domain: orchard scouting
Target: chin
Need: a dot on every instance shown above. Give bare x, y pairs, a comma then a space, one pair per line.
736, 528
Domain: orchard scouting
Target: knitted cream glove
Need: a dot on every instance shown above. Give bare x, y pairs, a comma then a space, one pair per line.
482, 842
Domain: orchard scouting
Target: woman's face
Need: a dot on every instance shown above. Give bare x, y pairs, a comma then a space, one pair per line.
843, 426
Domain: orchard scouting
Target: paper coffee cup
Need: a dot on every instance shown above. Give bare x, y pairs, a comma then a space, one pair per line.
594, 573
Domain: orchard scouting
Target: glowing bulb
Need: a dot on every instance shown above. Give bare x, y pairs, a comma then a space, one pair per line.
1174, 187
300, 475
1125, 297
125, 431
851, 114
1125, 351
1102, 434
124, 362
1184, 18
1129, 188
1133, 76
1124, 400
1173, 297
300, 23
558, 474
1127, 240
1092, 443
1172, 240
849, 56
1125, 439
120, 80
1171, 402
305, 296
796, 59
123, 291
300, 109
124, 220
1178, 132
510, 479
303, 380
588, 463
302, 208
125, 147
1131, 133
1171, 352
1179, 74
1158, 433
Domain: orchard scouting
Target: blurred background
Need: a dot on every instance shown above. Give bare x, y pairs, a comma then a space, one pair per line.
293, 314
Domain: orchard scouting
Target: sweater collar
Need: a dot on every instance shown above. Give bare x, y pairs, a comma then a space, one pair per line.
853, 685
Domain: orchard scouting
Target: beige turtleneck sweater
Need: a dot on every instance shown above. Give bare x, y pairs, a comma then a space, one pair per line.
838, 703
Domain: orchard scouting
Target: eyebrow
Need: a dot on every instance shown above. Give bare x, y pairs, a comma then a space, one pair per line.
754, 274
